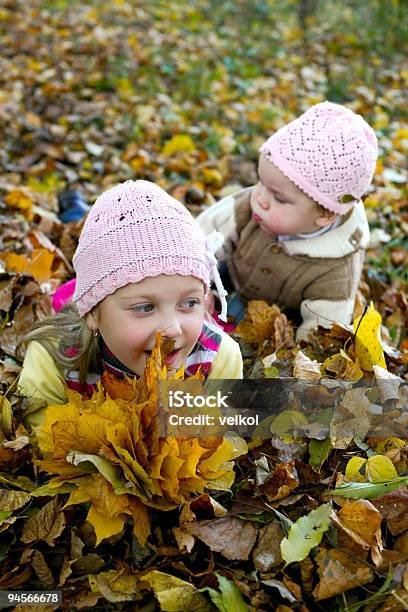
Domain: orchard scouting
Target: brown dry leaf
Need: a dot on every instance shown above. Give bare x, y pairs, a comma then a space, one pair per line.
6, 292
267, 554
258, 323
47, 524
293, 587
283, 332
88, 564
233, 538
41, 568
351, 419
23, 322
362, 522
88, 600
339, 572
66, 570
393, 507
401, 543
281, 481
12, 500
305, 368
14, 578
18, 443
184, 540
344, 367
306, 571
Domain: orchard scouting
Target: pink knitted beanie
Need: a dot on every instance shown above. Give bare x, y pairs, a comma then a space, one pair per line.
329, 152
136, 230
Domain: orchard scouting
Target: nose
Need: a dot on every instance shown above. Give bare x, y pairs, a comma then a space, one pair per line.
263, 199
171, 329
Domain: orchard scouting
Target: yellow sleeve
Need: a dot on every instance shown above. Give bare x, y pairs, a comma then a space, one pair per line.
41, 382
228, 361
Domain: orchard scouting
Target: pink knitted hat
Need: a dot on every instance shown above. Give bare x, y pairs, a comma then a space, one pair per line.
329, 152
136, 230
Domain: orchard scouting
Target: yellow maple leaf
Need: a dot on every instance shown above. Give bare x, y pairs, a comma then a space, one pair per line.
192, 452
180, 143
105, 526
19, 199
368, 348
39, 266
258, 323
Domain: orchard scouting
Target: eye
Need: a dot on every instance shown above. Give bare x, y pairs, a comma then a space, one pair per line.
143, 308
190, 303
279, 199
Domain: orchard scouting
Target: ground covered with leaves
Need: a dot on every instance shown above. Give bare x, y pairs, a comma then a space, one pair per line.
183, 94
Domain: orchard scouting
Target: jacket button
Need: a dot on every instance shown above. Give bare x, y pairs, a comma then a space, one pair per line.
275, 248
265, 271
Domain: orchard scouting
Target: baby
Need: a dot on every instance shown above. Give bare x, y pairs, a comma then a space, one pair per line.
297, 237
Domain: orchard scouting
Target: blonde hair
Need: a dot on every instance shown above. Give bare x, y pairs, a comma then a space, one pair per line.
65, 330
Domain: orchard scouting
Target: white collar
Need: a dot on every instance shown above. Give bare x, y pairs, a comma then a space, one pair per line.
318, 232
342, 240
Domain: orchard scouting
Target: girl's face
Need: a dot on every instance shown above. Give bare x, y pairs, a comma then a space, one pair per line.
280, 207
129, 319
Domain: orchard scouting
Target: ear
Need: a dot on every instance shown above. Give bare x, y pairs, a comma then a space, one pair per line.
92, 320
326, 220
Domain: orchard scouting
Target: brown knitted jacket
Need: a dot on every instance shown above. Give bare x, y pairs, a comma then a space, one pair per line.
319, 275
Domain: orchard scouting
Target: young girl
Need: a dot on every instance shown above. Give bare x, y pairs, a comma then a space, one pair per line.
142, 265
298, 236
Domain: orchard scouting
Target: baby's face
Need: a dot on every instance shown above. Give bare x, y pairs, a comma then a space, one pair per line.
280, 207
129, 319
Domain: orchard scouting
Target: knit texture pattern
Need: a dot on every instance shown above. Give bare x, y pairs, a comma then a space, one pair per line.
133, 231
329, 152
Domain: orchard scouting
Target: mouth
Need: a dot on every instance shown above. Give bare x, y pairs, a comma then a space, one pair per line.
256, 218
171, 357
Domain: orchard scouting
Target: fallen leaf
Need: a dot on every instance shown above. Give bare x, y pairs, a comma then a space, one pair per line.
339, 572
174, 594
46, 524
368, 347
180, 143
232, 537
267, 554
258, 323
305, 534
228, 598
280, 482
305, 368
362, 521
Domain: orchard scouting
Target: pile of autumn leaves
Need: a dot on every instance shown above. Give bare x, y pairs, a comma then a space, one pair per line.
107, 451
105, 455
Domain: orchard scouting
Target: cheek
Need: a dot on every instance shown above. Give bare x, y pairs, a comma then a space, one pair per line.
125, 335
254, 196
193, 326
